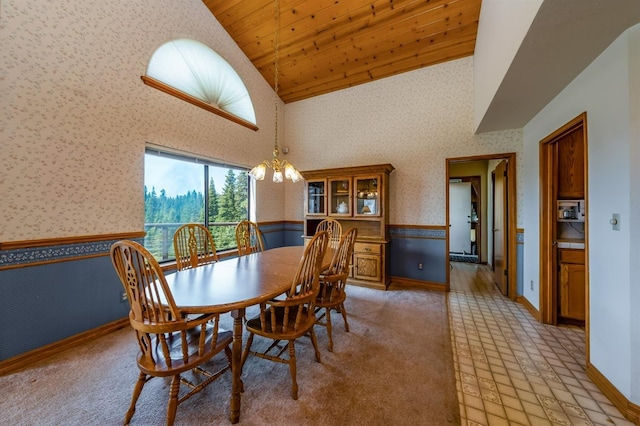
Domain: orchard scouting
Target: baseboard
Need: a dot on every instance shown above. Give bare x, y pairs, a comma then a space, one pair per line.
408, 282
20, 361
628, 409
529, 307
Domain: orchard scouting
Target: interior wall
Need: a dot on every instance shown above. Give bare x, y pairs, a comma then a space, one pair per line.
504, 25
414, 121
602, 90
76, 115
634, 206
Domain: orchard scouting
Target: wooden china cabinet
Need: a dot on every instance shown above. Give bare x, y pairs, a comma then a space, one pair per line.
355, 197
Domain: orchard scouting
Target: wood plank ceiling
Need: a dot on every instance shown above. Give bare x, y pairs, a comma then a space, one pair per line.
328, 45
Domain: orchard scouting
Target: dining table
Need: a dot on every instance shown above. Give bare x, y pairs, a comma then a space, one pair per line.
232, 285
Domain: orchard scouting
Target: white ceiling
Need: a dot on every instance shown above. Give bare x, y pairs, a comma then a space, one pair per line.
564, 38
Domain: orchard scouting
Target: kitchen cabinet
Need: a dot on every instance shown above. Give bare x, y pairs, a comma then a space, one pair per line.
355, 197
570, 166
571, 284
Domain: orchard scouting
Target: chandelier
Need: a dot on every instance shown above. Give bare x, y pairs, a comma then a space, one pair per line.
279, 166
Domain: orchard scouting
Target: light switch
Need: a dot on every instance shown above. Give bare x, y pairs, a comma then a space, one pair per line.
615, 221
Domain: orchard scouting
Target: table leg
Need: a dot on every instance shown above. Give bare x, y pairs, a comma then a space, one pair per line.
236, 365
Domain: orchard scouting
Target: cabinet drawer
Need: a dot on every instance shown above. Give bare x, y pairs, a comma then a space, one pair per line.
372, 248
571, 256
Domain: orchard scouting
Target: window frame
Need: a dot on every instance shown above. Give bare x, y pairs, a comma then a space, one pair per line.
205, 163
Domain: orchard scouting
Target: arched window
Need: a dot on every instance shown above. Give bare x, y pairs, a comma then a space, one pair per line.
192, 71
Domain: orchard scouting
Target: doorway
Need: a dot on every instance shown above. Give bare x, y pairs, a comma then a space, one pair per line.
564, 283
479, 166
466, 209
459, 217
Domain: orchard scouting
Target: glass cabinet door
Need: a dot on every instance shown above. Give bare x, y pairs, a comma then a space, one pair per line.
367, 196
316, 197
340, 197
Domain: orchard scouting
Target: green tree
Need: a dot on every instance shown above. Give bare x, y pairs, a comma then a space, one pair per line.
228, 205
242, 189
213, 201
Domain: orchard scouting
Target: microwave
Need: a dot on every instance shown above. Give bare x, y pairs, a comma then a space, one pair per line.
571, 210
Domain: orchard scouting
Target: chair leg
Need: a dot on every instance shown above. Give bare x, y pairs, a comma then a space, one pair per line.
344, 317
328, 322
292, 369
173, 399
137, 389
314, 341
247, 347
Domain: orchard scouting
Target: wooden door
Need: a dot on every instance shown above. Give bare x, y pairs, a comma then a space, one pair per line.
460, 217
563, 175
499, 177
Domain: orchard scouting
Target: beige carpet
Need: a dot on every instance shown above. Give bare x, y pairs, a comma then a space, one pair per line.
395, 367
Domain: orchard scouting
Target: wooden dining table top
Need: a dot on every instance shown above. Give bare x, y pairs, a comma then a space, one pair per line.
237, 283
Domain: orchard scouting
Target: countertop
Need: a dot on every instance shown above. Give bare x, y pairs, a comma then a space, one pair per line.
573, 243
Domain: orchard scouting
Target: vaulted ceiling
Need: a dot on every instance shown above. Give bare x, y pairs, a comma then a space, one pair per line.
328, 45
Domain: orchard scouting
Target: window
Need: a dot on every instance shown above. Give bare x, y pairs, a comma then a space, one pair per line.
193, 72
179, 189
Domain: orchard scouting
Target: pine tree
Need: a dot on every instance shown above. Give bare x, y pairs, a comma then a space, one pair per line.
213, 201
242, 196
228, 207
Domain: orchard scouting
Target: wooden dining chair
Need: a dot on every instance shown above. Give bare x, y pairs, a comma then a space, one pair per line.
334, 228
194, 246
248, 238
170, 344
333, 282
293, 316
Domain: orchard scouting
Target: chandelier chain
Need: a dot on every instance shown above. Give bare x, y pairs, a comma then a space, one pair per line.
281, 168
275, 83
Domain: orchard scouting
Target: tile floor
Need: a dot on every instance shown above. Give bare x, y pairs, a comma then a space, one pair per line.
511, 369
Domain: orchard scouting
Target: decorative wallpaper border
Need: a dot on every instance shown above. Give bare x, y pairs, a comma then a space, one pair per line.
20, 257
40, 255
412, 232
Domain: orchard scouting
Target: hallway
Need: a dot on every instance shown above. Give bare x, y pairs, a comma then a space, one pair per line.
511, 369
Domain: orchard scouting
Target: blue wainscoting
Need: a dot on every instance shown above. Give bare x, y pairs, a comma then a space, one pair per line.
272, 235
43, 304
53, 293
293, 232
412, 246
281, 234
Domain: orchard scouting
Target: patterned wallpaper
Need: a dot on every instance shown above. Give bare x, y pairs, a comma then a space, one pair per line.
75, 115
75, 118
414, 121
